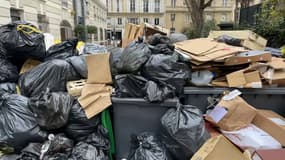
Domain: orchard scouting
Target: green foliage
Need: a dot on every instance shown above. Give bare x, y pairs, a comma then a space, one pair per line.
79, 32
271, 23
191, 33
92, 29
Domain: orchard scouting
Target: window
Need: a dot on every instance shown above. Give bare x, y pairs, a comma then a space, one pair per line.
188, 19
145, 5
173, 3
223, 18
157, 6
64, 4
145, 20
132, 6
156, 21
119, 21
16, 14
133, 20
225, 3
118, 5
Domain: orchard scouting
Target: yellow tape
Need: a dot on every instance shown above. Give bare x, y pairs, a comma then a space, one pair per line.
27, 29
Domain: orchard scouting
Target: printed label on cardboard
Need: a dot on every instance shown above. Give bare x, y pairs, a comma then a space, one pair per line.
278, 121
218, 113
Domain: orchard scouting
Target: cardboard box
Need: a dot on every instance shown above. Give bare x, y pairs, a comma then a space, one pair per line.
272, 123
233, 114
249, 39
95, 98
275, 72
252, 138
273, 154
244, 79
99, 71
218, 148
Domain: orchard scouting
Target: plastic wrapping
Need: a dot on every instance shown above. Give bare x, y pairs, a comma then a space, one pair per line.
183, 131
8, 88
202, 78
146, 146
52, 74
134, 57
18, 127
8, 72
78, 126
62, 50
51, 109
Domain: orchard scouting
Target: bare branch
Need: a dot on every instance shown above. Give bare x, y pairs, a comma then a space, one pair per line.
207, 4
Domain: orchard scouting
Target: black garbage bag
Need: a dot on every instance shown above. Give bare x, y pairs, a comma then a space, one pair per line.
229, 40
100, 139
158, 39
163, 69
51, 109
183, 131
58, 147
130, 85
146, 146
3, 51
134, 57
62, 50
85, 151
79, 126
22, 40
31, 152
177, 37
8, 88
115, 59
10, 157
52, 74
162, 49
157, 93
8, 72
18, 127
79, 64
92, 48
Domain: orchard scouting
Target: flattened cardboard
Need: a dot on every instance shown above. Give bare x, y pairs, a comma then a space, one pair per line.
240, 114
95, 98
272, 154
99, 71
263, 120
237, 60
218, 148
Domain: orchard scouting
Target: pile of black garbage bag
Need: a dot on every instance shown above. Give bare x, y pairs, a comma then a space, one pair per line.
150, 70
39, 119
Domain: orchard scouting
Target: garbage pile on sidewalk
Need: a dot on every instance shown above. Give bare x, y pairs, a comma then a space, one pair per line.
55, 101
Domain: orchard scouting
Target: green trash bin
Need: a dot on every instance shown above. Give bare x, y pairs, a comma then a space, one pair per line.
107, 123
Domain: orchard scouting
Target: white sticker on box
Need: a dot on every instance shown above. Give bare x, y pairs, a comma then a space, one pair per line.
233, 94
256, 84
278, 121
218, 113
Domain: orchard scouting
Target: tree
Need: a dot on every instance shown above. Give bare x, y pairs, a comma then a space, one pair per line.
196, 9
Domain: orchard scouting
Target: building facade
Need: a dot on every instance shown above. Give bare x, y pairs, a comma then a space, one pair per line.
58, 17
121, 12
221, 11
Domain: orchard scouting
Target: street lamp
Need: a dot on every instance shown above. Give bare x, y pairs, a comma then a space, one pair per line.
172, 18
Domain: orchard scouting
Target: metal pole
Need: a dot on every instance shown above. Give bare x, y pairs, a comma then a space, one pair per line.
84, 20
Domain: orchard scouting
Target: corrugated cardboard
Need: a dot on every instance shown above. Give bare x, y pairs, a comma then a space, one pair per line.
218, 148
272, 154
95, 98
246, 78
263, 120
239, 114
99, 69
249, 39
252, 138
252, 56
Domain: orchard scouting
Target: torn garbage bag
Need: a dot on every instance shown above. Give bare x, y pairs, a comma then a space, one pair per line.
51, 109
62, 50
31, 152
162, 68
183, 131
96, 143
22, 40
52, 74
8, 88
79, 126
146, 146
134, 57
57, 147
18, 127
8, 72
